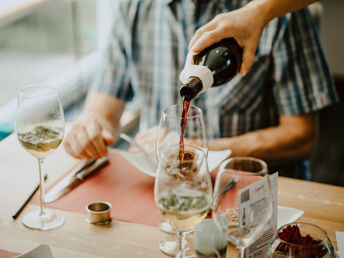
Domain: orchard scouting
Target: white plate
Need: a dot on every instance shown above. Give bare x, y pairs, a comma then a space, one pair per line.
286, 215
141, 162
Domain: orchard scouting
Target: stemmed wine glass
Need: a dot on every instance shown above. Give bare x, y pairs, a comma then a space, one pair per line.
39, 126
242, 200
183, 189
181, 125
170, 133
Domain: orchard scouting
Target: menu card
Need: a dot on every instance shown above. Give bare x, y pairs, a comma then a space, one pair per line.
252, 197
340, 243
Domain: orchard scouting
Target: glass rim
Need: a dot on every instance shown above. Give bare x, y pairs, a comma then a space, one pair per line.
326, 238
164, 112
53, 90
263, 171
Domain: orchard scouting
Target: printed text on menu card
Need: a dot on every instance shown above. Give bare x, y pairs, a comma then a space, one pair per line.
252, 196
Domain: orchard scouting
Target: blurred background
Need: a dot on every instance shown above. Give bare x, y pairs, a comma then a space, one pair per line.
60, 42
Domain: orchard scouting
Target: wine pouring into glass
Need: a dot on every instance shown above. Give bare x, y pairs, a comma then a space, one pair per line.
183, 189
39, 126
170, 134
212, 67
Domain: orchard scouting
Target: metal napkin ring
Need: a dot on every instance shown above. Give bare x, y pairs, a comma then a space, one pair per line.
98, 213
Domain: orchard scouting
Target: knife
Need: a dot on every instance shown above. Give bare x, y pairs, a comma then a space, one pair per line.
230, 184
75, 178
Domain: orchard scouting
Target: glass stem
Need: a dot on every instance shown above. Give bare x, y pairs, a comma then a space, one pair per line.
181, 240
41, 185
241, 252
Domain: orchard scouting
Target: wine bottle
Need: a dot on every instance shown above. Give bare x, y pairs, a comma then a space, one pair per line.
212, 67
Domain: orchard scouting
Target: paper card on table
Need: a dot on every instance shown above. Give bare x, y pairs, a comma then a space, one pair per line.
251, 197
40, 251
340, 243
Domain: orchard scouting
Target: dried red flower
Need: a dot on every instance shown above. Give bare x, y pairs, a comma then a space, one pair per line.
305, 246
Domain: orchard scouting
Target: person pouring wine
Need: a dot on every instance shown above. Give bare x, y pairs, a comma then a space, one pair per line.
245, 25
268, 113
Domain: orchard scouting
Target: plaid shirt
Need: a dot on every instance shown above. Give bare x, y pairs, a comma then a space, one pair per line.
147, 51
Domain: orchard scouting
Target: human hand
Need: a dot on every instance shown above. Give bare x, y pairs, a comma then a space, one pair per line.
245, 25
88, 139
147, 139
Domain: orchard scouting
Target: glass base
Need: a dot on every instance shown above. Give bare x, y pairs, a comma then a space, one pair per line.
170, 245
167, 228
47, 220
190, 252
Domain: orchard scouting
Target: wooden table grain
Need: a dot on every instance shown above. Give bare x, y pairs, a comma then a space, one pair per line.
323, 205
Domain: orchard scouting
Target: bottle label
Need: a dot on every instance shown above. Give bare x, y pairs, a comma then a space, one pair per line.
199, 71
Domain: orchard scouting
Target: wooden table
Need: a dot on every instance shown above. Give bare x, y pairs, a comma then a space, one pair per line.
323, 205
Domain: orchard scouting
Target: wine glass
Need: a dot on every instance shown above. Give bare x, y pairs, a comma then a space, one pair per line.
242, 224
39, 126
300, 239
183, 188
171, 132
181, 125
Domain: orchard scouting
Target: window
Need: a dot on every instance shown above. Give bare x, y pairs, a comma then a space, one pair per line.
49, 41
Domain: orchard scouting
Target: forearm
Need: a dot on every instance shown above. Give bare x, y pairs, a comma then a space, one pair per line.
105, 108
276, 145
271, 9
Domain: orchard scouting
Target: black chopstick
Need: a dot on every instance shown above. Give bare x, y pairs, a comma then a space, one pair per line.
21, 208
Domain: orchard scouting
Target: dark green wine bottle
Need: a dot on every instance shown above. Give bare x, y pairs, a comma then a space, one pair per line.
220, 61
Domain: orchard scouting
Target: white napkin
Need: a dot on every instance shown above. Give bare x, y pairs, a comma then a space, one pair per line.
40, 251
287, 215
340, 243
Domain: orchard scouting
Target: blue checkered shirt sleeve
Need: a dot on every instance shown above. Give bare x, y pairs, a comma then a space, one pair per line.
113, 75
302, 80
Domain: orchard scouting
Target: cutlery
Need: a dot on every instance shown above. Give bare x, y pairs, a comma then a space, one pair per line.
230, 184
78, 175
21, 208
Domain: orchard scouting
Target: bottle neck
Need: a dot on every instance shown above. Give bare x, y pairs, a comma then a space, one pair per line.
191, 89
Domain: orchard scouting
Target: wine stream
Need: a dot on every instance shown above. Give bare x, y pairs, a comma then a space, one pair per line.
186, 105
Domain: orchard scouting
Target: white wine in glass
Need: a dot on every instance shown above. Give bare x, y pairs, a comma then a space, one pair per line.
183, 208
39, 127
40, 140
183, 188
179, 124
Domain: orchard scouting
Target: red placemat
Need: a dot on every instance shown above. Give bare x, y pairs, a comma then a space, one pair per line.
7, 254
130, 192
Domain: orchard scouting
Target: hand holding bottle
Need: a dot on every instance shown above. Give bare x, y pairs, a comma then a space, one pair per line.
244, 25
